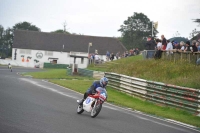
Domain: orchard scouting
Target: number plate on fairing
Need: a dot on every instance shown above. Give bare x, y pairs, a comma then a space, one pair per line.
87, 104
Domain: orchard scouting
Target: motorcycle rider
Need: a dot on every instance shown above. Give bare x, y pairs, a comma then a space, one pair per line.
101, 83
10, 67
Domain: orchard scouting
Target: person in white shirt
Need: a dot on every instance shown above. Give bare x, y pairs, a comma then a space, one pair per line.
182, 44
96, 58
159, 44
158, 52
169, 47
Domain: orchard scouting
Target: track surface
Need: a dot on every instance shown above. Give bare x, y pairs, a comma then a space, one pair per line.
35, 106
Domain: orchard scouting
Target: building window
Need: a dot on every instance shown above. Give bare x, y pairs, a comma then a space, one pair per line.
25, 51
48, 53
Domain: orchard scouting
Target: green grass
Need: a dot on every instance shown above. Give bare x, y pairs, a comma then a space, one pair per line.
180, 73
53, 74
124, 100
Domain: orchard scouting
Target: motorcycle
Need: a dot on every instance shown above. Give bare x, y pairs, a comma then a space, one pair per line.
93, 103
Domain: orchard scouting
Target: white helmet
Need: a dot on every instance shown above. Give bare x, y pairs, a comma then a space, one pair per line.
103, 82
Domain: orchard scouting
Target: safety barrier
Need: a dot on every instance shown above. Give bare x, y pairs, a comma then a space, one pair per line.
169, 95
130, 85
55, 66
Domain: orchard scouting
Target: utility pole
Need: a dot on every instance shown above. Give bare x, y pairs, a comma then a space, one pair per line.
65, 24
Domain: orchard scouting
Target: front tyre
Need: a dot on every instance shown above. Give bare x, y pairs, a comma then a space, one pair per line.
80, 109
95, 111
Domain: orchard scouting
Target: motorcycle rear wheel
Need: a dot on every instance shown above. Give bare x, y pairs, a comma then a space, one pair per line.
80, 109
95, 111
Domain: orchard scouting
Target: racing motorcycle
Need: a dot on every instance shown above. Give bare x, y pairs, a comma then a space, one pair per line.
93, 103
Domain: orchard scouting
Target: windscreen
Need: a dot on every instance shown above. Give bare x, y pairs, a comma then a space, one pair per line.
103, 93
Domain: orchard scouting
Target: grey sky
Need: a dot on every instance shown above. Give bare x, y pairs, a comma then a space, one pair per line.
101, 17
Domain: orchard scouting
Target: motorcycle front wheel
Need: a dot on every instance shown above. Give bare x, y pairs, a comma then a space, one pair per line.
80, 109
95, 111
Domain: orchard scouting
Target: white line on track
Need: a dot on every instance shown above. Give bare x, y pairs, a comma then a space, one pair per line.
48, 88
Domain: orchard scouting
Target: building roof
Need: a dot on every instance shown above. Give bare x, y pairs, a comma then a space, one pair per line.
35, 40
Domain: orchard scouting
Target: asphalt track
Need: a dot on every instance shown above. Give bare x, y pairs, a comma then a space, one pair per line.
36, 106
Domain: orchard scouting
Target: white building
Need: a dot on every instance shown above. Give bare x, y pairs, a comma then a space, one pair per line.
32, 48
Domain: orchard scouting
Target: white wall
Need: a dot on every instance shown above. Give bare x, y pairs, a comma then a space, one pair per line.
63, 58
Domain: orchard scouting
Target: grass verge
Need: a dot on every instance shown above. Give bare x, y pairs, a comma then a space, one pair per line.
124, 100
179, 73
115, 97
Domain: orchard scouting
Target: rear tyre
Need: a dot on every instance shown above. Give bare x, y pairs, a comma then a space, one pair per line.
80, 109
95, 111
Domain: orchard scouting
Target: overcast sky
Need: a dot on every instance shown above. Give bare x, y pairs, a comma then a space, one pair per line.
101, 17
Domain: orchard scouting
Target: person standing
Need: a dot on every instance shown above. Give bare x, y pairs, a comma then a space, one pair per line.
164, 42
150, 47
187, 46
198, 46
117, 55
97, 58
194, 47
169, 47
112, 57
158, 52
107, 56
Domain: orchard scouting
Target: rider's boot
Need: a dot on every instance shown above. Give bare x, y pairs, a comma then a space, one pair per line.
81, 102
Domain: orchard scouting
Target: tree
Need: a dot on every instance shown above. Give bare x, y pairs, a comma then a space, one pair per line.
25, 26
135, 30
5, 41
6, 36
194, 35
61, 31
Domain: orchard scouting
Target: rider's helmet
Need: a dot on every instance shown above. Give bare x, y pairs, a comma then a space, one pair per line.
103, 82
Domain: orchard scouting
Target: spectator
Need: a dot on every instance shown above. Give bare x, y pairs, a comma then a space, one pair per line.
173, 44
137, 51
117, 55
182, 44
90, 58
97, 58
169, 47
164, 42
150, 46
112, 57
158, 52
159, 44
131, 52
198, 46
107, 56
177, 46
187, 46
194, 47
126, 54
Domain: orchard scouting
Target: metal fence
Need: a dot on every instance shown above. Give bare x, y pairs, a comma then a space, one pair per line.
170, 95
174, 55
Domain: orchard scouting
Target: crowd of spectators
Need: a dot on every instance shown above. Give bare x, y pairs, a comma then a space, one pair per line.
94, 57
163, 44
